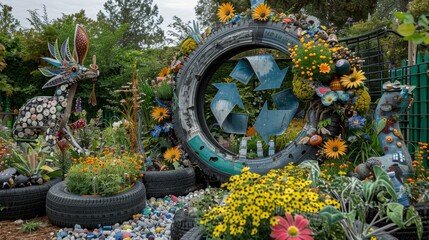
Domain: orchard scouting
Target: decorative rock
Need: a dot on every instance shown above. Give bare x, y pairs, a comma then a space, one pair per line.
19, 222
125, 227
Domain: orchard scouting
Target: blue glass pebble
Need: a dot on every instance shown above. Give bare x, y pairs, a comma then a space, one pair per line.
107, 227
172, 210
168, 216
59, 92
147, 211
118, 236
157, 212
90, 236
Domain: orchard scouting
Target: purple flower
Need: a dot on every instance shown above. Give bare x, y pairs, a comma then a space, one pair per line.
78, 105
356, 122
156, 131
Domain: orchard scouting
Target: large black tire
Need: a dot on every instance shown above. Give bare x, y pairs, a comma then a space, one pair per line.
66, 209
26, 202
176, 182
182, 223
191, 83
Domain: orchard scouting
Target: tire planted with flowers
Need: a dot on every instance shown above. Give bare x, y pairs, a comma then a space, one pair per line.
66, 209
191, 84
176, 182
25, 202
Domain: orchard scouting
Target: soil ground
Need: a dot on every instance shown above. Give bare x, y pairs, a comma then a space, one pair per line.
10, 231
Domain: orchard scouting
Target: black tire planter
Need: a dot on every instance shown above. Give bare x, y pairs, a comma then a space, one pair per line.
162, 183
191, 84
182, 224
66, 209
25, 202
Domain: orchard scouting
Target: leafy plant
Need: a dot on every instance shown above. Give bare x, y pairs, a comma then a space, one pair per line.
357, 198
106, 174
33, 162
30, 226
415, 31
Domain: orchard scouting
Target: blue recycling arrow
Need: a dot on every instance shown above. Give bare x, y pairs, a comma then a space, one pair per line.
264, 67
275, 122
222, 104
255, 3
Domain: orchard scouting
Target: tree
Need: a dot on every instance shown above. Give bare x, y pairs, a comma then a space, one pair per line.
142, 19
179, 32
8, 24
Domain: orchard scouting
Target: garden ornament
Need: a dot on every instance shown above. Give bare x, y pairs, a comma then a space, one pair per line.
396, 100
49, 115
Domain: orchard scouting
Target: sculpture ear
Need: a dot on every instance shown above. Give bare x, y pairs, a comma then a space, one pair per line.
81, 44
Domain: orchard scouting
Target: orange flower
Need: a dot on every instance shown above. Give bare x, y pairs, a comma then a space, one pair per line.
324, 68
251, 131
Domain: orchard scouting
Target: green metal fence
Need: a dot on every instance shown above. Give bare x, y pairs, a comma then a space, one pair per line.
378, 68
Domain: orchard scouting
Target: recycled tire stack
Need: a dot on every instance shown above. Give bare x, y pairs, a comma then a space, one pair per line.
25, 202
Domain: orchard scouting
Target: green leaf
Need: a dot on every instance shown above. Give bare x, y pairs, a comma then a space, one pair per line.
368, 190
314, 171
409, 19
417, 38
400, 15
395, 212
423, 21
406, 29
384, 180
412, 213
351, 216
426, 40
331, 214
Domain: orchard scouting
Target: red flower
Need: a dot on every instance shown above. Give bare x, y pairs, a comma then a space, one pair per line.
288, 229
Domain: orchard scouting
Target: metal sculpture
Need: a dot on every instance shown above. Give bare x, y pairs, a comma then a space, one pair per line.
49, 114
269, 122
396, 100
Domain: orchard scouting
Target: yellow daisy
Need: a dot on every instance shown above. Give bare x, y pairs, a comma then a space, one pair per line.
261, 12
172, 154
225, 12
324, 68
354, 80
334, 148
164, 72
160, 113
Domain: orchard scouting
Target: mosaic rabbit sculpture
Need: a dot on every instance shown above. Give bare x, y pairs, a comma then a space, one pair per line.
396, 100
49, 114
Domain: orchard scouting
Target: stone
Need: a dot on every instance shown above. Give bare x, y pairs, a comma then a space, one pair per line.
125, 227
19, 222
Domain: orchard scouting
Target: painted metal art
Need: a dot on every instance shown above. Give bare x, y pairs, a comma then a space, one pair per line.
268, 122
49, 115
396, 100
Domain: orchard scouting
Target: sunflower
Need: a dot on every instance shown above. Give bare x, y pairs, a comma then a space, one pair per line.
261, 12
353, 80
164, 72
334, 148
324, 68
225, 12
172, 154
159, 113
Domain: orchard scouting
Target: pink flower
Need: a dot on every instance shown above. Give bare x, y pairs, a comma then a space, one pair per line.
288, 229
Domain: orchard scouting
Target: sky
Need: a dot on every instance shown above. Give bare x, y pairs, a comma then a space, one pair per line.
184, 9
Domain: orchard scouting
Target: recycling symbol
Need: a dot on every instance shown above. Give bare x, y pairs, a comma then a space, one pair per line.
268, 122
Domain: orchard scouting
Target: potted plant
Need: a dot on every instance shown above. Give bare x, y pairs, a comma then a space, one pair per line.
99, 189
163, 87
25, 177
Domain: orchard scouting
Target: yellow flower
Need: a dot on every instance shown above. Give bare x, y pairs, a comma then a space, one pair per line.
261, 12
172, 154
164, 72
324, 68
353, 80
225, 12
334, 148
159, 113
